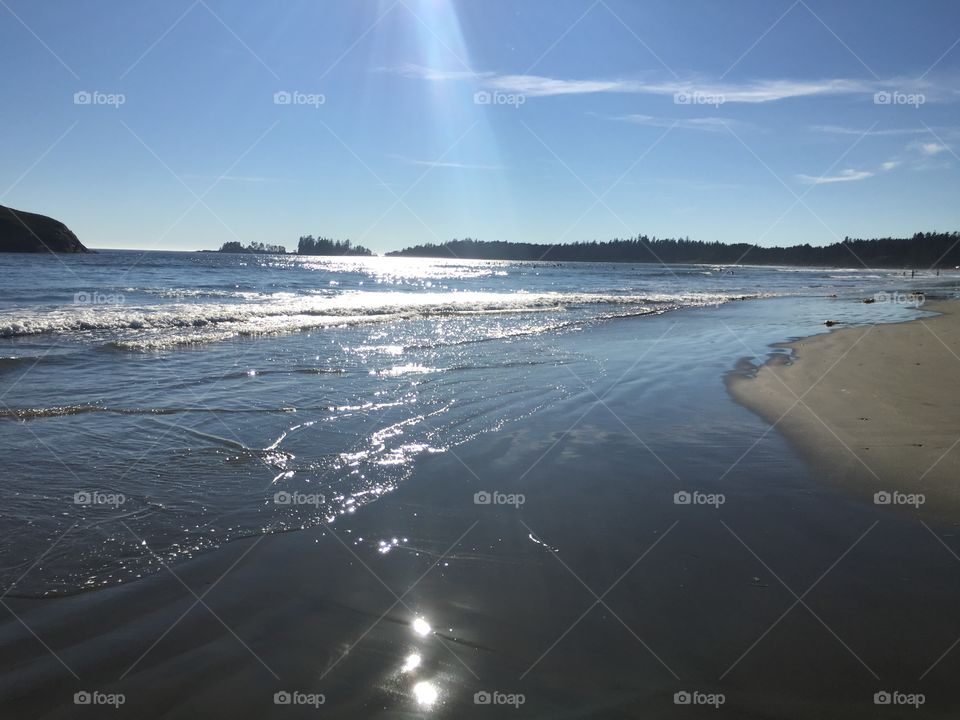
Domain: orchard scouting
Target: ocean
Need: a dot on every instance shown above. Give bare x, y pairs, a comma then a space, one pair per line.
158, 405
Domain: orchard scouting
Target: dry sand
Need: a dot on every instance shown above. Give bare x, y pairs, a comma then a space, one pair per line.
874, 408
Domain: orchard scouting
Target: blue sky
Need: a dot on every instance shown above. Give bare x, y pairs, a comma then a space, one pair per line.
183, 124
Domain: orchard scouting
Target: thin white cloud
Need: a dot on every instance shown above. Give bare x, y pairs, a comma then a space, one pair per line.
754, 91
706, 124
932, 148
840, 130
844, 176
445, 164
917, 157
712, 93
412, 70
537, 86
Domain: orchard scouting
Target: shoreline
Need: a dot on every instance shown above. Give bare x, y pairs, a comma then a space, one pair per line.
873, 409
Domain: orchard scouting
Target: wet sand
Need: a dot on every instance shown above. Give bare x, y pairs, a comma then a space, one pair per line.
599, 596
875, 408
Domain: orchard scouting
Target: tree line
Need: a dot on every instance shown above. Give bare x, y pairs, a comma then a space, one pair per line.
258, 248
308, 245
922, 250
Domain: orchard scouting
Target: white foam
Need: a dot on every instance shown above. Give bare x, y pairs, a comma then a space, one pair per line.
177, 323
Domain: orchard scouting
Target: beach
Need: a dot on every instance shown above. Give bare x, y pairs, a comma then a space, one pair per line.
442, 360
874, 408
638, 546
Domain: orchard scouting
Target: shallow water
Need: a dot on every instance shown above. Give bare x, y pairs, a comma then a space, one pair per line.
156, 405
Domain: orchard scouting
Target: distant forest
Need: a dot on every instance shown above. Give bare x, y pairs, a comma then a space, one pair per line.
325, 246
256, 248
308, 245
923, 250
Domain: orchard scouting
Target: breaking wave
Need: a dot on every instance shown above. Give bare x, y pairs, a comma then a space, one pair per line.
170, 324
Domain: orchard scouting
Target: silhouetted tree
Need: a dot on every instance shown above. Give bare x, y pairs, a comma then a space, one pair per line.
309, 245
258, 248
923, 250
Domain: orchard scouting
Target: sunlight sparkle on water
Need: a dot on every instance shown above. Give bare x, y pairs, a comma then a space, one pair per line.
421, 627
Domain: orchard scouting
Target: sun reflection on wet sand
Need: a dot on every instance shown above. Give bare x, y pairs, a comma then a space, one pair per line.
426, 694
412, 662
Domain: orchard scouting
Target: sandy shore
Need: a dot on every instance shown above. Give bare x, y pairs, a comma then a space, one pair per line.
875, 408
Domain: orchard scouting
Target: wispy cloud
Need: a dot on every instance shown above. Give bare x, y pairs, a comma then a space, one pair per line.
849, 175
706, 124
412, 70
539, 86
753, 91
445, 164
932, 148
916, 156
883, 132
